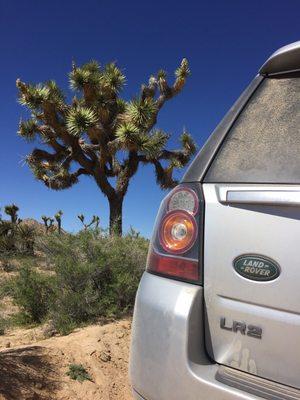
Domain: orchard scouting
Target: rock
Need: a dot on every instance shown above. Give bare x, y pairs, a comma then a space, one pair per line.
105, 356
49, 329
120, 335
39, 385
7, 345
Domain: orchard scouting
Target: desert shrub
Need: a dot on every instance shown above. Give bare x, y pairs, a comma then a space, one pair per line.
26, 236
8, 244
4, 324
77, 372
33, 292
16, 238
95, 276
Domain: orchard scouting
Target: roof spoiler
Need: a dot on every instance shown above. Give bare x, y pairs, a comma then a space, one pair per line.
285, 59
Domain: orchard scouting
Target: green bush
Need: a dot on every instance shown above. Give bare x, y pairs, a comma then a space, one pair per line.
33, 293
95, 276
3, 326
77, 372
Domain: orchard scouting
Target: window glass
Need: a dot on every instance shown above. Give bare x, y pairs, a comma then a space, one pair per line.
263, 145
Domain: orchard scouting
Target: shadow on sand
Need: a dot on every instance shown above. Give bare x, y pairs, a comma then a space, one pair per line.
26, 373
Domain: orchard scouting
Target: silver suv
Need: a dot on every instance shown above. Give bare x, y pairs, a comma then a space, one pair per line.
217, 313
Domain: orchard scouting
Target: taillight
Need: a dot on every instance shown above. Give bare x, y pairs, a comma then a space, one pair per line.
178, 232
176, 246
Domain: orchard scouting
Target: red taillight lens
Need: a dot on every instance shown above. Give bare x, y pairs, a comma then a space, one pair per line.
176, 245
176, 267
177, 232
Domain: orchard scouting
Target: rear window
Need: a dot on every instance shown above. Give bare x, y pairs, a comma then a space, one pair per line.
263, 145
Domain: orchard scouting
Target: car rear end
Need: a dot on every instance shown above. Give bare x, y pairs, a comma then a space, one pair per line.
217, 313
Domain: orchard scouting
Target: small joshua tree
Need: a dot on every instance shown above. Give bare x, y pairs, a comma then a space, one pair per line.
12, 211
48, 222
58, 216
104, 135
95, 221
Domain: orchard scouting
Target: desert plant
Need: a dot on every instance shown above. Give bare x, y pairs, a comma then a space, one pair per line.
16, 237
26, 236
33, 293
12, 212
95, 276
77, 372
7, 244
3, 326
93, 223
96, 221
48, 223
105, 135
7, 265
58, 216
8, 231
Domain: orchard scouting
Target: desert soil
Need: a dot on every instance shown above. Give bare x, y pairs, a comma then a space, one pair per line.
35, 368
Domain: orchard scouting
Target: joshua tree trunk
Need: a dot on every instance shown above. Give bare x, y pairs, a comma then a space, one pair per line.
115, 215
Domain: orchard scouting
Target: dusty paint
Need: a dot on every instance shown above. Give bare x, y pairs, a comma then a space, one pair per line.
241, 359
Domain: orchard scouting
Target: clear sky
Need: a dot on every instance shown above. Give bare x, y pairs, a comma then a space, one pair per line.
225, 42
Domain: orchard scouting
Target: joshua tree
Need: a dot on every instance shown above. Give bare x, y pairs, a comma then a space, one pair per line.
95, 220
58, 216
48, 222
12, 211
104, 135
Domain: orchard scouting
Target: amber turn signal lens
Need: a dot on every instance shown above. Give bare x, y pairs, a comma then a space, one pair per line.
178, 232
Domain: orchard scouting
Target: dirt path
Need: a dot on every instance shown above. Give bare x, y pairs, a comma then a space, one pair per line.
33, 369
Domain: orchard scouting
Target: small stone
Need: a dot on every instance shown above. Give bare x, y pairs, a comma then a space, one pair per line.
7, 345
120, 335
38, 385
105, 356
93, 352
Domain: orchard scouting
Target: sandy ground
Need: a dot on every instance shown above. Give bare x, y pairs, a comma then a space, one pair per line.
33, 368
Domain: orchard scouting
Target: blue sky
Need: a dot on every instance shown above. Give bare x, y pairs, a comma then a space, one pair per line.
224, 41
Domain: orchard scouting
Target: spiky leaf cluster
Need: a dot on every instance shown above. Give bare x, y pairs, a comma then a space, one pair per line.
80, 119
89, 74
28, 129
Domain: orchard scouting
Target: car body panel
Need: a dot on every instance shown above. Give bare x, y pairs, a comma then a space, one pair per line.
269, 230
168, 359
